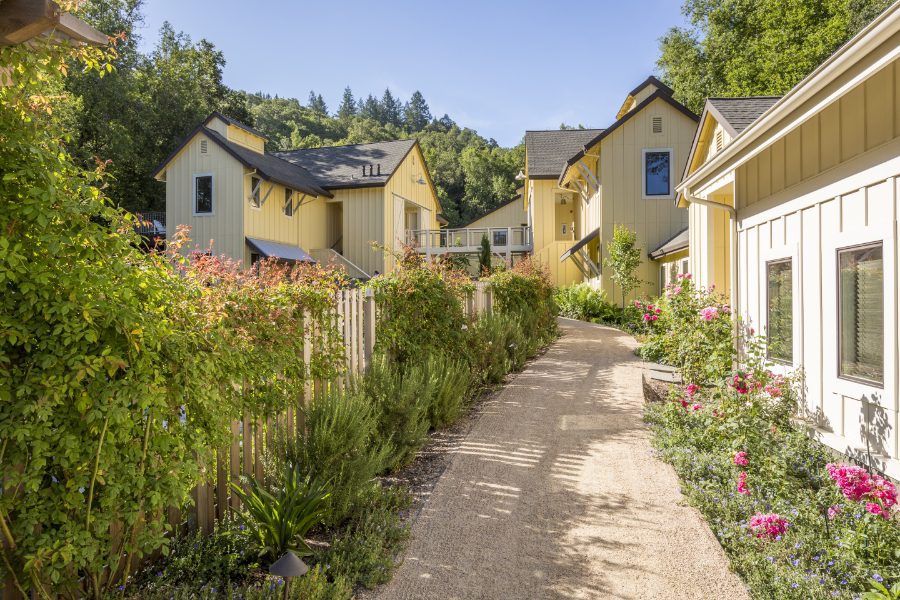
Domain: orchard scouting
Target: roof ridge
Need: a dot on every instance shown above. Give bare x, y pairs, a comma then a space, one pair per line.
563, 130
412, 139
743, 97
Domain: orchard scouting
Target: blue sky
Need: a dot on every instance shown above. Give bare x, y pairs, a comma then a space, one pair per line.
498, 67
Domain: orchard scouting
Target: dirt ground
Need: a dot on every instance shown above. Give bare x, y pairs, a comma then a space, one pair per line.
552, 491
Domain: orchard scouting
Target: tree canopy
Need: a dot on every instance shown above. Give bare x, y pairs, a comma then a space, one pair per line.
755, 47
137, 114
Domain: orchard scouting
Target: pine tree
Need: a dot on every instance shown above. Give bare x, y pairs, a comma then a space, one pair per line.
370, 108
484, 256
317, 103
416, 114
391, 109
347, 108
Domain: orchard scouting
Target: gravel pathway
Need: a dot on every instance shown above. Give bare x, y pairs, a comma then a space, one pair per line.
554, 493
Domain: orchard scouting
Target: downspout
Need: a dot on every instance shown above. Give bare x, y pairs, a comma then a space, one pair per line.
732, 212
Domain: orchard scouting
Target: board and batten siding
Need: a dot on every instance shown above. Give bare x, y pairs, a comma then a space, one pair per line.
549, 244
221, 232
620, 199
404, 184
511, 214
363, 224
830, 183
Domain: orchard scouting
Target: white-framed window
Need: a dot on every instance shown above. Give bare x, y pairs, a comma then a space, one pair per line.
685, 266
780, 310
288, 202
656, 173
861, 313
255, 190
203, 194
499, 238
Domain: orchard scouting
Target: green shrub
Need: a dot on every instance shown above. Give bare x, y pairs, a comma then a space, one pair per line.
341, 445
215, 561
451, 384
525, 292
280, 518
585, 303
364, 551
401, 396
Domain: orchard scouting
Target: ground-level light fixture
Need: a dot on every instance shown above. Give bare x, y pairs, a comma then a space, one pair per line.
287, 567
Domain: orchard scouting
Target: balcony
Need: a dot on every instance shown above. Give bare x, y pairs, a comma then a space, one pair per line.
504, 240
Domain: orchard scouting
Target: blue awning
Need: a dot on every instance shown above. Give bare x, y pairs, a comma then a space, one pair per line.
278, 250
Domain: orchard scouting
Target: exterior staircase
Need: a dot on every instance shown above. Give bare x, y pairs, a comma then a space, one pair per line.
328, 256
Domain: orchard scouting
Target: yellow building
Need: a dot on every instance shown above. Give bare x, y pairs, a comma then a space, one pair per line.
318, 204
625, 174
794, 210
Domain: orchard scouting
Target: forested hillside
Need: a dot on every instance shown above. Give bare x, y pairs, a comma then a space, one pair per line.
135, 115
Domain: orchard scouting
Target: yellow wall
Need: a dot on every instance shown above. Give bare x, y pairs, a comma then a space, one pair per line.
548, 246
224, 228
404, 184
672, 265
508, 215
246, 139
620, 199
363, 223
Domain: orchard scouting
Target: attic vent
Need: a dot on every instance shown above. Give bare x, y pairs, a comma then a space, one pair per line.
657, 124
720, 140
204, 146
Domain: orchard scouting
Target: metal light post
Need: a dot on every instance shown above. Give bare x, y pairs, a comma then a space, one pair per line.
288, 566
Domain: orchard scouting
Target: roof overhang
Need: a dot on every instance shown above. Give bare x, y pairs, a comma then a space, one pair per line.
657, 95
779, 119
24, 20
677, 243
280, 251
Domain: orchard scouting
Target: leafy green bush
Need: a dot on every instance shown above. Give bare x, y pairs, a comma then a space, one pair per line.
420, 309
585, 303
364, 551
279, 519
451, 386
401, 396
525, 292
341, 445
741, 460
216, 561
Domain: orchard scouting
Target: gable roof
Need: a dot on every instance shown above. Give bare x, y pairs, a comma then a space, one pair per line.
736, 114
337, 167
654, 82
268, 166
547, 151
231, 121
657, 95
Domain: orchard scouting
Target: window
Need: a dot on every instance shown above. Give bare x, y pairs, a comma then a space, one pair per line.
861, 313
499, 238
684, 266
780, 311
255, 185
288, 202
657, 173
203, 194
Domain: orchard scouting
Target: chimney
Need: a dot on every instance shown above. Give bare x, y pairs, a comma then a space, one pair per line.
364, 170
379, 169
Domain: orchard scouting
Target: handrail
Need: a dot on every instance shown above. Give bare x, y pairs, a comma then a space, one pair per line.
464, 239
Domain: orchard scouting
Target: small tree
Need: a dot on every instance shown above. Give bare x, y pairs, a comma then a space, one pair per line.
624, 259
484, 256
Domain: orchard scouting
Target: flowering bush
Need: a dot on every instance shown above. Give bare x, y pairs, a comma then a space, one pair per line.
689, 328
793, 524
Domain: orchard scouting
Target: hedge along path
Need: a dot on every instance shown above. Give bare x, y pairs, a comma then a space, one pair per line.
555, 494
354, 316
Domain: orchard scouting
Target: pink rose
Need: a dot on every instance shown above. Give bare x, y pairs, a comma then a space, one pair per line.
740, 459
691, 389
709, 313
742, 484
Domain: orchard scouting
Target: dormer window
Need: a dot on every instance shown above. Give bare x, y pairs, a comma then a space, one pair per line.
657, 173
288, 202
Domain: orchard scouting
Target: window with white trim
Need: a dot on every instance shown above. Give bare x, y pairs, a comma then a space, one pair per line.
861, 313
203, 194
657, 173
780, 310
288, 202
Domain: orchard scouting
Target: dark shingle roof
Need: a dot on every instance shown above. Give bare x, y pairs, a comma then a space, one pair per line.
337, 167
547, 151
270, 167
739, 113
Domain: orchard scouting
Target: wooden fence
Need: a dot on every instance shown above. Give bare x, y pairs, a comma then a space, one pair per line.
355, 313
